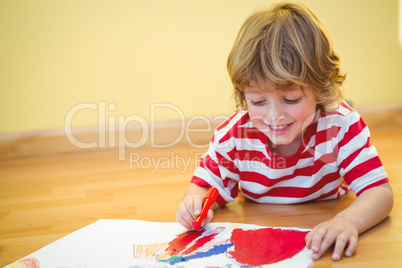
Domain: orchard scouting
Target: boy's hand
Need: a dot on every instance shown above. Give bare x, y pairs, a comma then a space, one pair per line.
189, 209
339, 231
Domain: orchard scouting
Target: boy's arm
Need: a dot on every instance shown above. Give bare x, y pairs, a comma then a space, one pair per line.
369, 209
191, 206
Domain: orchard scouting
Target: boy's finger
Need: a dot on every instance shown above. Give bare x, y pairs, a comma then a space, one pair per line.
340, 244
308, 239
187, 214
197, 203
329, 239
182, 220
209, 217
352, 247
316, 241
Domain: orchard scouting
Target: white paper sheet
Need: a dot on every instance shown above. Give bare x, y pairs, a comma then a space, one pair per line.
114, 243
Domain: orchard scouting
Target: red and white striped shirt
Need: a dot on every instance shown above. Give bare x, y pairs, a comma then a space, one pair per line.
335, 156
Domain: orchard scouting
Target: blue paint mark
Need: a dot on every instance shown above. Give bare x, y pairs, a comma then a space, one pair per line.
218, 249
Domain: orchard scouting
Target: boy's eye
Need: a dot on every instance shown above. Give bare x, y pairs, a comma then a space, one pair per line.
292, 101
257, 103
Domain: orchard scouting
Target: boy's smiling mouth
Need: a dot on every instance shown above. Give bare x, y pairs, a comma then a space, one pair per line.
279, 129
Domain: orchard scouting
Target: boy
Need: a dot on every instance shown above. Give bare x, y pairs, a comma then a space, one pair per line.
292, 140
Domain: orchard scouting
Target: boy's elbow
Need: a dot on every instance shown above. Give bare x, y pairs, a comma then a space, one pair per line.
388, 196
391, 197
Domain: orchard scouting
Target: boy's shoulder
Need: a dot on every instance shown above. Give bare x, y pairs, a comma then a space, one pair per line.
235, 126
344, 116
237, 119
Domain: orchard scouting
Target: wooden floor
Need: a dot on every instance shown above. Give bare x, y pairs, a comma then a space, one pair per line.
45, 198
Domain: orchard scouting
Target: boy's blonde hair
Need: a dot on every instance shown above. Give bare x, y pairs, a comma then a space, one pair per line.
289, 45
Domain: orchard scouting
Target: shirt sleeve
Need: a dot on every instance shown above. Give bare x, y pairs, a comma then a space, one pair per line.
358, 160
217, 168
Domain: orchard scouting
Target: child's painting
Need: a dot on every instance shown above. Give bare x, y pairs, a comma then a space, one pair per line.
130, 243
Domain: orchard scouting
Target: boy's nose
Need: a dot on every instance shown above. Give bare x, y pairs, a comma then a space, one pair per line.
274, 120
275, 114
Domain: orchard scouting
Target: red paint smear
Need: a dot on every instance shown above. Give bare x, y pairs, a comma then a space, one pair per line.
182, 241
202, 241
199, 243
266, 246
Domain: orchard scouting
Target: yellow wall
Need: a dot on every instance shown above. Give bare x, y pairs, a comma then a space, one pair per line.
57, 54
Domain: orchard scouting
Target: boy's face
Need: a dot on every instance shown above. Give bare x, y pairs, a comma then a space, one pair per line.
281, 115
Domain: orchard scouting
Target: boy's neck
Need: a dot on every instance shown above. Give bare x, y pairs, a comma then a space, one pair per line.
285, 150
